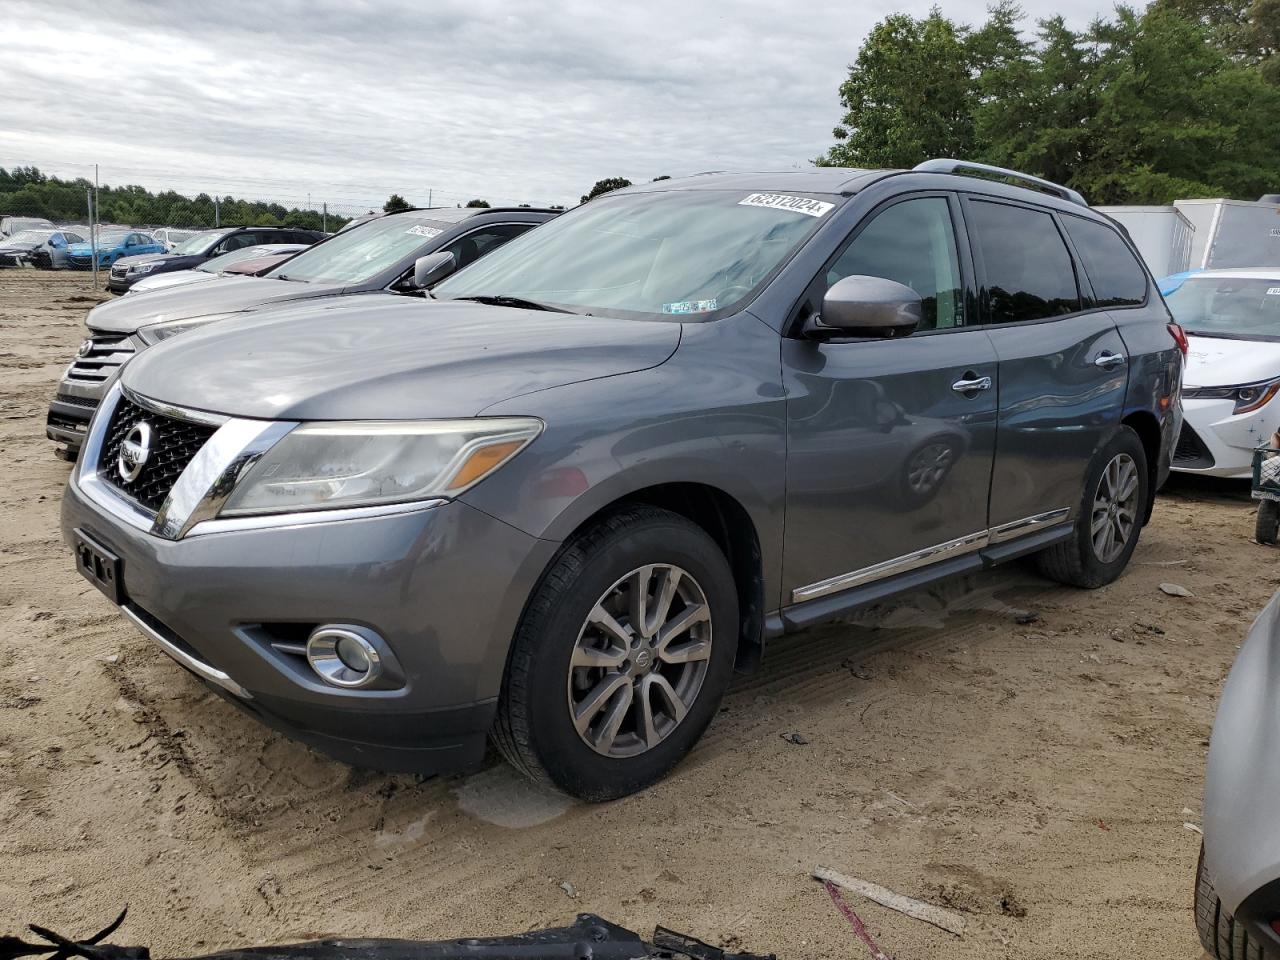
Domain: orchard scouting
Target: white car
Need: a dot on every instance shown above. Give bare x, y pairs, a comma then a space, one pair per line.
1232, 373
213, 268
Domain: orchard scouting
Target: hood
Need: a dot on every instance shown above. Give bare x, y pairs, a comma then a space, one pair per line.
85, 249
185, 301
170, 260
23, 246
381, 356
1217, 362
172, 279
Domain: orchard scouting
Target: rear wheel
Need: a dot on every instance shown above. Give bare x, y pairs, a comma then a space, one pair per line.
1267, 526
622, 656
1221, 937
1109, 519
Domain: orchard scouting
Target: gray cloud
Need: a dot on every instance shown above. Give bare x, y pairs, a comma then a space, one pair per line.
349, 101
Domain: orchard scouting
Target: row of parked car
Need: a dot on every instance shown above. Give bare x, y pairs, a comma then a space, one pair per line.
549, 480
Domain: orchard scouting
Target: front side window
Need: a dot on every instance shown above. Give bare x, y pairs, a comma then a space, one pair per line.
679, 254
914, 243
467, 250
1117, 278
1231, 308
1028, 270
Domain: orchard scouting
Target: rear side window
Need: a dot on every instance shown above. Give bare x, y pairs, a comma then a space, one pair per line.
1118, 279
1028, 274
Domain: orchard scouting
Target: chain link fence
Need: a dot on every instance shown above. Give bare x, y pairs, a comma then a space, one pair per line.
90, 222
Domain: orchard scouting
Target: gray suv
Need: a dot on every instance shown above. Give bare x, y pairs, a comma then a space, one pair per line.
378, 256
562, 501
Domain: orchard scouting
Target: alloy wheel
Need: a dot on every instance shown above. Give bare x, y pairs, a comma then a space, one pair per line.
1115, 508
639, 661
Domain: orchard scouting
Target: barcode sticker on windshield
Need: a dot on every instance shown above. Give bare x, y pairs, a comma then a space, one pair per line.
1273, 291
780, 201
418, 230
690, 306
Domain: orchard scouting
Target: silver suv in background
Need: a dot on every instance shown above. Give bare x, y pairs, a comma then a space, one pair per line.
563, 499
378, 256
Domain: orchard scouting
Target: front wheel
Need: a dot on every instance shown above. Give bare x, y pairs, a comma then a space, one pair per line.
1109, 519
622, 656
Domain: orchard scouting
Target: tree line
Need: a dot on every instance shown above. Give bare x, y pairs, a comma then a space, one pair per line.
1179, 100
25, 191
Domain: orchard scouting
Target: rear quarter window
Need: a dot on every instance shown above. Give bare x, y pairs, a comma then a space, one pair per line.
1117, 277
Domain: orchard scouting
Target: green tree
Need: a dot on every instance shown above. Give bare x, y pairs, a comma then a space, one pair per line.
604, 186
396, 204
908, 96
477, 203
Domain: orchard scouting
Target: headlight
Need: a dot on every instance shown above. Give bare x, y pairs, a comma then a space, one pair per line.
319, 466
144, 267
153, 334
1248, 397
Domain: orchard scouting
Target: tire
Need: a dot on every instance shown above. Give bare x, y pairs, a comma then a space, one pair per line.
1266, 527
1077, 561
535, 728
1221, 937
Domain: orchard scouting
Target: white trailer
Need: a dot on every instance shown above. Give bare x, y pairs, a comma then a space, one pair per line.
1163, 235
1233, 233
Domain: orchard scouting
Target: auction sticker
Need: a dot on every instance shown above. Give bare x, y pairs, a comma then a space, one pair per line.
781, 201
1273, 291
690, 306
418, 230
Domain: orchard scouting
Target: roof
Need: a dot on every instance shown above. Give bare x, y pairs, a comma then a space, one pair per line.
811, 180
1238, 273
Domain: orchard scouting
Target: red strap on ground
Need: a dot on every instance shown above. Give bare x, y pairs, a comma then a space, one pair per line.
855, 921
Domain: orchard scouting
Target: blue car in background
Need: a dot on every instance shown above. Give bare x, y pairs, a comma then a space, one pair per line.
112, 245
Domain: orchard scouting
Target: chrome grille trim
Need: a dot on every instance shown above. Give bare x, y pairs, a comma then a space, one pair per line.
106, 354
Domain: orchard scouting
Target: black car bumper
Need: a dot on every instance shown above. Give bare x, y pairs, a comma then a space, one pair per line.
68, 420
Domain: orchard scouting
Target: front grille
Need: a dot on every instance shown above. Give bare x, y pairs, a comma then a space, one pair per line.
118, 272
174, 443
78, 261
76, 401
1191, 452
107, 351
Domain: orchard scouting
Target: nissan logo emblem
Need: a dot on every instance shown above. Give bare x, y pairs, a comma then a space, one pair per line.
134, 451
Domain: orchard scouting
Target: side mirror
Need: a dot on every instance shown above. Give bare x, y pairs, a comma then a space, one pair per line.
866, 307
432, 268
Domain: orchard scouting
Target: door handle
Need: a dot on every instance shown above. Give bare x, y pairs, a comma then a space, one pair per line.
970, 386
1106, 360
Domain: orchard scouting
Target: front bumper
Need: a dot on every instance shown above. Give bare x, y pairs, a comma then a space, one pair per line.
121, 284
68, 419
1217, 443
1242, 781
443, 585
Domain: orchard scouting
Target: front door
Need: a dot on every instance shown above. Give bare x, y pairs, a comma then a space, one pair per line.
890, 442
1063, 365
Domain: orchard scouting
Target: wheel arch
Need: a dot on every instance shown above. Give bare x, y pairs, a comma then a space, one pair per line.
1147, 427
722, 517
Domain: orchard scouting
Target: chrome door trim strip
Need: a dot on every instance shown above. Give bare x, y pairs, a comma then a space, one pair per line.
889, 568
1033, 524
931, 555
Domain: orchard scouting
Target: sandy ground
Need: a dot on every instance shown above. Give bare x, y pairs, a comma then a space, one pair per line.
1021, 752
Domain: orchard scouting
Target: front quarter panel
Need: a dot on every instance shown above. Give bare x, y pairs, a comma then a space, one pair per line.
1242, 782
714, 414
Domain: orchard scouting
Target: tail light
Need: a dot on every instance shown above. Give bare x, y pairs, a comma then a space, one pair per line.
1179, 337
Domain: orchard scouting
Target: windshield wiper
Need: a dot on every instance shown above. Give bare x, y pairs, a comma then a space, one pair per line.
520, 302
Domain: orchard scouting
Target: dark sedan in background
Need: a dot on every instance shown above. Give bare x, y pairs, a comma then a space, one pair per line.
193, 251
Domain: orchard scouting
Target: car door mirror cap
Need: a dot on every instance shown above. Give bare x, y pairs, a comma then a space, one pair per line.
871, 307
433, 268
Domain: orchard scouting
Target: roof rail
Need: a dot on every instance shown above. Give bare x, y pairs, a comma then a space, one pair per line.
943, 165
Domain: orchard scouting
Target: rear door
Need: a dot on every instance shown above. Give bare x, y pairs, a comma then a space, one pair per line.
1062, 362
889, 442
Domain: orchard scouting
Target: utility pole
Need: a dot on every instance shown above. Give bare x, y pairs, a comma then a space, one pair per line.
217, 214
324, 218
430, 194
93, 227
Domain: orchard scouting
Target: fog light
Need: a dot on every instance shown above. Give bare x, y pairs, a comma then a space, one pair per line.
343, 657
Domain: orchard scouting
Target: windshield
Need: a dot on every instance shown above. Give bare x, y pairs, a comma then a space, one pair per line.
30, 236
220, 263
675, 254
1230, 307
358, 254
200, 242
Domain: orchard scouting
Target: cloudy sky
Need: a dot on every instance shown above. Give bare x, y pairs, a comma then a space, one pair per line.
528, 101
